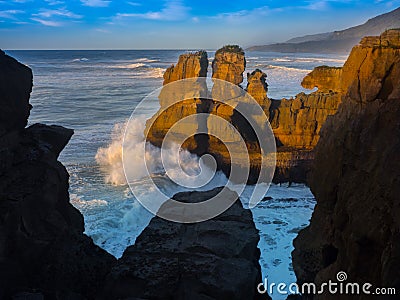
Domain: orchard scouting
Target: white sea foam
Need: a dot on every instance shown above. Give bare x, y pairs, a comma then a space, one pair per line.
79, 203
282, 59
82, 59
110, 157
145, 59
130, 66
287, 68
151, 73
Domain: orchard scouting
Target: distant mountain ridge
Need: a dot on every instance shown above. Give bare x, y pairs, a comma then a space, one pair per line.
338, 41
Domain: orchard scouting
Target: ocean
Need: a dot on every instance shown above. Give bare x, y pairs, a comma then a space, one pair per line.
95, 92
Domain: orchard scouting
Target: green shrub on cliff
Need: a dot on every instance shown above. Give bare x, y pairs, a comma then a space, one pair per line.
231, 48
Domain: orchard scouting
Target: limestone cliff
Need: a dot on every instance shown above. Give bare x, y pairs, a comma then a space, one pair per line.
355, 226
43, 251
214, 259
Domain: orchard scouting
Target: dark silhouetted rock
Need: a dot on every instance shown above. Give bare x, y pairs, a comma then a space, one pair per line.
15, 89
214, 259
43, 251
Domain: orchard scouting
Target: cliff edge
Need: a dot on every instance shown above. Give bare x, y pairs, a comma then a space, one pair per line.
355, 226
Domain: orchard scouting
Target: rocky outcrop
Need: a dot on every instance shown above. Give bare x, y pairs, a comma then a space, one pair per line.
355, 226
229, 64
43, 251
325, 78
295, 122
214, 259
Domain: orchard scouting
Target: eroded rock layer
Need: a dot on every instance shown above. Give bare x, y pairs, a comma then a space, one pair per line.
355, 226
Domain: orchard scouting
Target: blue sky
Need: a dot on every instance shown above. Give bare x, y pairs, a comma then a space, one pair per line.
173, 24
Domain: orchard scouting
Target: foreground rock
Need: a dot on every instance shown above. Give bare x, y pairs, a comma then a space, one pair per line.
355, 227
214, 259
43, 251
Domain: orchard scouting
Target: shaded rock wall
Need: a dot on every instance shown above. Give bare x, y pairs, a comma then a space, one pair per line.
214, 259
355, 226
43, 250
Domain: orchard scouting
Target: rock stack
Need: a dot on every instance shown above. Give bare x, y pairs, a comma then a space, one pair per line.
295, 123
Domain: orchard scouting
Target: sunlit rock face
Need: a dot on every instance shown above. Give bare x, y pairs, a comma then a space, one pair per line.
189, 65
229, 64
192, 65
295, 122
355, 178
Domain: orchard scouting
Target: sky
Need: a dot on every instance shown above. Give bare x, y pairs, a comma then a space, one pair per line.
173, 24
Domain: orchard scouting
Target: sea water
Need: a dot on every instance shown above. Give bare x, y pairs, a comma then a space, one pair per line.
95, 92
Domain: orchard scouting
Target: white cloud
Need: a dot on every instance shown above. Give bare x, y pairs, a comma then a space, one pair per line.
102, 30
246, 15
10, 14
47, 22
172, 11
62, 12
317, 5
95, 3
54, 2
134, 3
